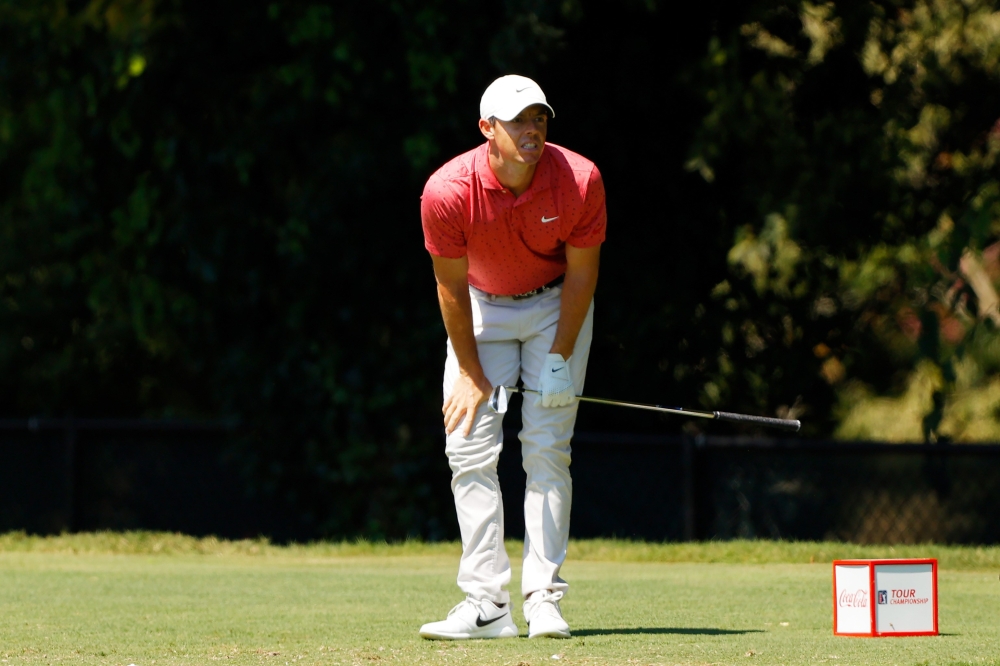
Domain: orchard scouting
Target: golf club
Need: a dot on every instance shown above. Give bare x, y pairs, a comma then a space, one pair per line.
499, 398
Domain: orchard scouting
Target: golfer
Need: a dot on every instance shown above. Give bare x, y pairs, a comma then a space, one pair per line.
514, 229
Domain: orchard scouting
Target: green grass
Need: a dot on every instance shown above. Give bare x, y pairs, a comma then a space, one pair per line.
140, 598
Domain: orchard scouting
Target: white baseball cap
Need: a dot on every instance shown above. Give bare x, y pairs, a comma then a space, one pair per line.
510, 95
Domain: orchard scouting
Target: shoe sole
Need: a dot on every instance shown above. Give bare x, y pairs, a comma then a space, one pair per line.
550, 634
505, 632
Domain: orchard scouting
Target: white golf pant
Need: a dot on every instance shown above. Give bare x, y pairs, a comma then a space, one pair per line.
513, 337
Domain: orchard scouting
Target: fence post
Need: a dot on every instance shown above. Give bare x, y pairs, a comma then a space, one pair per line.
69, 436
688, 469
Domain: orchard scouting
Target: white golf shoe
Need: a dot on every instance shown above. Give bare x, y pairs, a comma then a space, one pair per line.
473, 618
541, 610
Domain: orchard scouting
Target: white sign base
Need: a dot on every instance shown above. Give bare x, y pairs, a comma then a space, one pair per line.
885, 597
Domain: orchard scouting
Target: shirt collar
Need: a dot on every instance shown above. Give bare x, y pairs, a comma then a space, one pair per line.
540, 181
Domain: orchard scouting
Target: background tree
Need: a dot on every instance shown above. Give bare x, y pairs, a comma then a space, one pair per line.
856, 145
211, 211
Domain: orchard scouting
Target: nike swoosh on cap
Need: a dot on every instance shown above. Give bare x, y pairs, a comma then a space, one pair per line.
522, 89
480, 622
546, 220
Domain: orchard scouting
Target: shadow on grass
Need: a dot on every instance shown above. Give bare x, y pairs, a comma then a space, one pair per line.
690, 631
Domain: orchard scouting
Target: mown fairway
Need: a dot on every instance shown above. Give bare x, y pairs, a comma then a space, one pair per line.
164, 601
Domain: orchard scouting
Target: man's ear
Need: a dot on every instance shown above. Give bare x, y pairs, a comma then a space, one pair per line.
486, 128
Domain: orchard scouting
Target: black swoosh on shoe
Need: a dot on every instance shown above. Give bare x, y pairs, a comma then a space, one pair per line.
480, 622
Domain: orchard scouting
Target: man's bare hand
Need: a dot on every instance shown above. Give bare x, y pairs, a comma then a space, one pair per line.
465, 398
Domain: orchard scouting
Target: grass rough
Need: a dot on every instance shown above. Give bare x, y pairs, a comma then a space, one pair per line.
277, 605
968, 558
159, 599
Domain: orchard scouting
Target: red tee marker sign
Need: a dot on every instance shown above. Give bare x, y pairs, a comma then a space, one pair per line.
885, 597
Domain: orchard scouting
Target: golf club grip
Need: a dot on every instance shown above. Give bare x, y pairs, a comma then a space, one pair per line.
784, 424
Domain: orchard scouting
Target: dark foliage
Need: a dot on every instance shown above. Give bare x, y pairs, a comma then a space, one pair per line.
211, 211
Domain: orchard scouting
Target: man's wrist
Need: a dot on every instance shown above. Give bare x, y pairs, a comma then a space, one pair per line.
477, 378
561, 350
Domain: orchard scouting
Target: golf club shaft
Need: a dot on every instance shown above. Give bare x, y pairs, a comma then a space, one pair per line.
785, 424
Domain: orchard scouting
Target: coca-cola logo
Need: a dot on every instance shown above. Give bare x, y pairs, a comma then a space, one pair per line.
857, 599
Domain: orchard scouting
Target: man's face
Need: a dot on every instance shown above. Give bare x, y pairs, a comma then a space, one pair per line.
522, 138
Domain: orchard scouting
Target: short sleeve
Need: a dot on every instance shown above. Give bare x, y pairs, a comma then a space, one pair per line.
442, 219
590, 229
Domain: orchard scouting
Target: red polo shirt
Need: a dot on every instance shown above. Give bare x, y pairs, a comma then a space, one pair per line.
514, 244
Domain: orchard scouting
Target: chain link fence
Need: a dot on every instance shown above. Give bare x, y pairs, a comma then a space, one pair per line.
70, 475
677, 488
862, 493
67, 475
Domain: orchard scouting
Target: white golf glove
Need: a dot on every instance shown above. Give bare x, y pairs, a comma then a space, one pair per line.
555, 383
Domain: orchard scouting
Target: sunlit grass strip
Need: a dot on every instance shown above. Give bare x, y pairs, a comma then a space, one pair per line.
778, 552
167, 543
595, 550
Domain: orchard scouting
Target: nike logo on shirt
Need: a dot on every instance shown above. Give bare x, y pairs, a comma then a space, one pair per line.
558, 369
546, 220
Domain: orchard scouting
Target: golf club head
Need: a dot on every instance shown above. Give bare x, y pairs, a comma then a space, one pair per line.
498, 400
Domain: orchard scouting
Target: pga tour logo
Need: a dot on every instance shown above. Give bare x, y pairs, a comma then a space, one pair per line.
883, 597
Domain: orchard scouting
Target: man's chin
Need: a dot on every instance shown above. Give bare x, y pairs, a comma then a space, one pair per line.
531, 156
